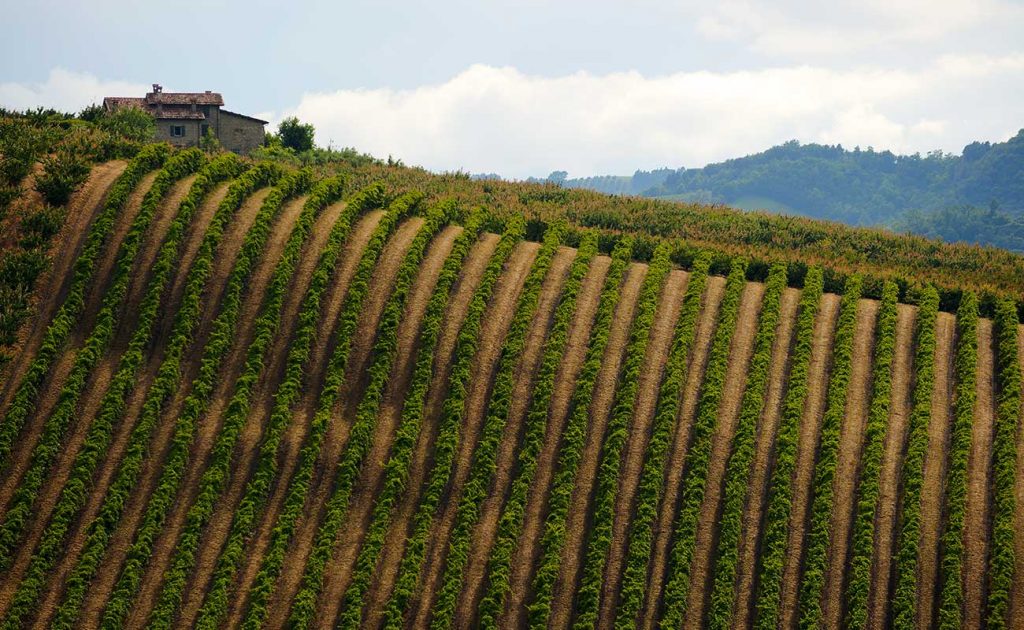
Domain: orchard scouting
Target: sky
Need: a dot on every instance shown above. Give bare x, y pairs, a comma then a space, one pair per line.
524, 88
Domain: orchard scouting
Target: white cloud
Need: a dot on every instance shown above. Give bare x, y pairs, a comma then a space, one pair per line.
499, 119
66, 91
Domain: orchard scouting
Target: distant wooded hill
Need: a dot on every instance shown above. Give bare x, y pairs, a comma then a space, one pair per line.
975, 197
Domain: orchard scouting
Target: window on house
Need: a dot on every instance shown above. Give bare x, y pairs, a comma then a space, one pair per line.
177, 131
203, 129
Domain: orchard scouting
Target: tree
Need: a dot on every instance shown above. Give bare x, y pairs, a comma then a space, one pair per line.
296, 135
131, 123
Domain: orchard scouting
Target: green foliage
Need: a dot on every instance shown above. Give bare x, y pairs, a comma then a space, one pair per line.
862, 535
258, 487
510, 523
484, 463
741, 456
570, 453
397, 469
362, 430
27, 393
449, 430
822, 503
112, 406
217, 473
698, 458
908, 542
951, 592
175, 464
295, 135
651, 486
46, 449
588, 596
780, 486
131, 123
1004, 461
62, 174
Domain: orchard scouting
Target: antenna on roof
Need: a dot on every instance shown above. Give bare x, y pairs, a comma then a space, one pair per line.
157, 88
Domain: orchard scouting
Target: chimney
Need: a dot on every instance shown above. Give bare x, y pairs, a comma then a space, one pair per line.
157, 88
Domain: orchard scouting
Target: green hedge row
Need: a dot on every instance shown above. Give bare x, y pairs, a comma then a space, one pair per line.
698, 457
215, 606
45, 451
552, 539
862, 534
159, 504
1004, 462
27, 395
112, 407
397, 469
345, 330
822, 504
101, 528
908, 541
951, 591
449, 431
361, 433
510, 523
218, 466
651, 486
741, 457
588, 596
484, 463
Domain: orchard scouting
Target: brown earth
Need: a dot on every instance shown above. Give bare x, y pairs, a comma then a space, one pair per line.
458, 306
740, 351
767, 429
302, 415
889, 480
600, 410
124, 533
807, 447
698, 361
979, 479
568, 371
496, 324
933, 487
490, 511
669, 305
851, 443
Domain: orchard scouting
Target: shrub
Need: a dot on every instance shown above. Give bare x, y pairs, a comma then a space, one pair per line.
62, 174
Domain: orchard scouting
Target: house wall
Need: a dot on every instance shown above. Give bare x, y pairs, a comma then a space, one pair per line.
239, 134
191, 137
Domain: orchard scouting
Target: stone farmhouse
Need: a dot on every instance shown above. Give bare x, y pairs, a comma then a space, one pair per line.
183, 118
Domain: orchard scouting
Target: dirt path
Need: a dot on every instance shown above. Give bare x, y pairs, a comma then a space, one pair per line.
851, 443
297, 430
53, 284
50, 391
247, 448
124, 533
600, 409
565, 381
92, 395
670, 303
763, 446
892, 458
933, 487
807, 446
108, 468
497, 320
339, 570
662, 531
490, 511
322, 483
1017, 591
210, 424
979, 479
458, 306
740, 351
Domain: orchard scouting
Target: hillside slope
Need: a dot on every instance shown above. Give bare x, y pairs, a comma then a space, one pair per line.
295, 399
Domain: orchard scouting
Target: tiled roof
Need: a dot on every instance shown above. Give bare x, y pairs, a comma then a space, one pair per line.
259, 120
185, 98
117, 102
178, 114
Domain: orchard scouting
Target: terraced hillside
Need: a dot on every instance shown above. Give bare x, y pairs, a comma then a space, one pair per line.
257, 396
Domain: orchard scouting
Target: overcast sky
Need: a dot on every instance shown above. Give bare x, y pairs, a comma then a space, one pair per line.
523, 88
